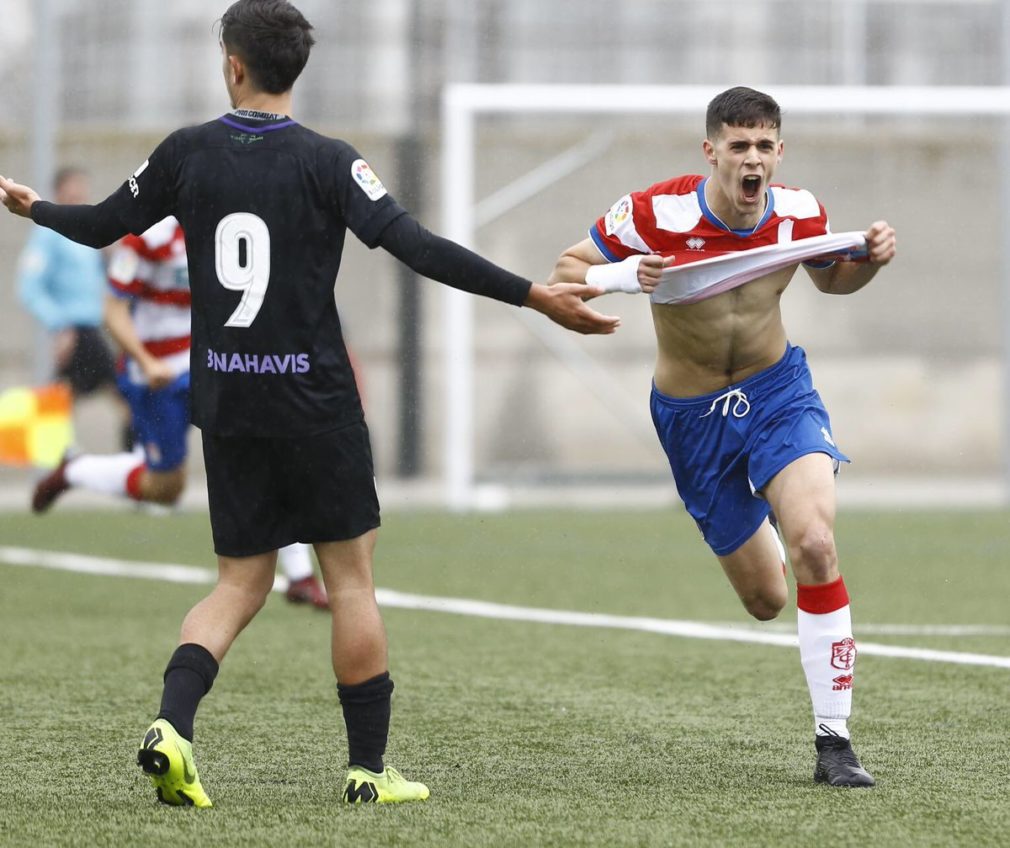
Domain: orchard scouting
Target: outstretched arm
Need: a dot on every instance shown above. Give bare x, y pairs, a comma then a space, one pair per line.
95, 226
849, 277
447, 262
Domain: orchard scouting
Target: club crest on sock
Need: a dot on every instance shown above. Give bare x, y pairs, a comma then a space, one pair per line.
843, 654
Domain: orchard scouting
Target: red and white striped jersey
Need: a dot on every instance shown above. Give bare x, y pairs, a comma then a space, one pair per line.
672, 218
150, 270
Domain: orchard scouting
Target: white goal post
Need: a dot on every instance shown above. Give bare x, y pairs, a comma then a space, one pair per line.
463, 104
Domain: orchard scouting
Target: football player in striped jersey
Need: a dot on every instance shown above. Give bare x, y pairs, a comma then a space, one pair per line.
747, 436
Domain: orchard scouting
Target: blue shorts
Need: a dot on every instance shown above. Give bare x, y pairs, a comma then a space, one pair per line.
160, 421
725, 447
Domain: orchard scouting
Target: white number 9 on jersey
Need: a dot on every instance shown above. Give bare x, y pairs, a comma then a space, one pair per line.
242, 261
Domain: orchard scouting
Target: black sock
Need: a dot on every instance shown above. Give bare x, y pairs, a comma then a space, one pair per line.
366, 709
188, 677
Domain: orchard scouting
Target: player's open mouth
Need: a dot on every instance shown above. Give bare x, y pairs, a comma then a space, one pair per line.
751, 186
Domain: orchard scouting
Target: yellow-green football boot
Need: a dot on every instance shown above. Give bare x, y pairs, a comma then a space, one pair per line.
168, 759
388, 787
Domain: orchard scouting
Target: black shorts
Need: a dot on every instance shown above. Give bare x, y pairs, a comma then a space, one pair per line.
266, 493
91, 365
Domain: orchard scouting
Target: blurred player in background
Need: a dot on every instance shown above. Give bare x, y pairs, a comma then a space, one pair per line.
62, 283
266, 204
148, 315
746, 434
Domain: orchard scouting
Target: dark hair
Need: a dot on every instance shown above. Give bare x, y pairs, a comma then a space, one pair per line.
741, 107
65, 174
271, 37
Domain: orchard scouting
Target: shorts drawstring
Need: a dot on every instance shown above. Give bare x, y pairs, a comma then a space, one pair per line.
740, 407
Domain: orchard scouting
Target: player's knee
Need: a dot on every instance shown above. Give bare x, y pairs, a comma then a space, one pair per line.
257, 598
174, 491
250, 596
165, 487
814, 553
166, 497
766, 606
762, 612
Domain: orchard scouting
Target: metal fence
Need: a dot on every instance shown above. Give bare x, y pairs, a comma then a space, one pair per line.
150, 64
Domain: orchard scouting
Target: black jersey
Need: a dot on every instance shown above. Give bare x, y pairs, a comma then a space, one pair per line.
265, 204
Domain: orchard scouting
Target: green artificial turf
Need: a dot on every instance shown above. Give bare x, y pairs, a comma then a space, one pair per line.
528, 734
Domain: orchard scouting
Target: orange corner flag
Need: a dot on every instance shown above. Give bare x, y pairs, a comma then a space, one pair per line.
36, 426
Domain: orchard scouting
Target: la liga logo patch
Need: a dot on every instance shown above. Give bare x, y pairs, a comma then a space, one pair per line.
365, 177
618, 214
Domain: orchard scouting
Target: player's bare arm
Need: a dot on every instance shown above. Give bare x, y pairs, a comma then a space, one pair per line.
119, 323
849, 277
643, 270
16, 197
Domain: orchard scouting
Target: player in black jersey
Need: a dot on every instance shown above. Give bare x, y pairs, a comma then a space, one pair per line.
265, 204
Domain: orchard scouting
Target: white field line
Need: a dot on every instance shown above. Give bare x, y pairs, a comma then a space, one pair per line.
484, 609
82, 564
668, 627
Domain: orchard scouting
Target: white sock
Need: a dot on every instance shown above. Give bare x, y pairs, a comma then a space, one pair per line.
106, 474
295, 561
828, 654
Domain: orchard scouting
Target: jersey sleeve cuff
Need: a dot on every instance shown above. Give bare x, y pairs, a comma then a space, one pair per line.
38, 208
608, 254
